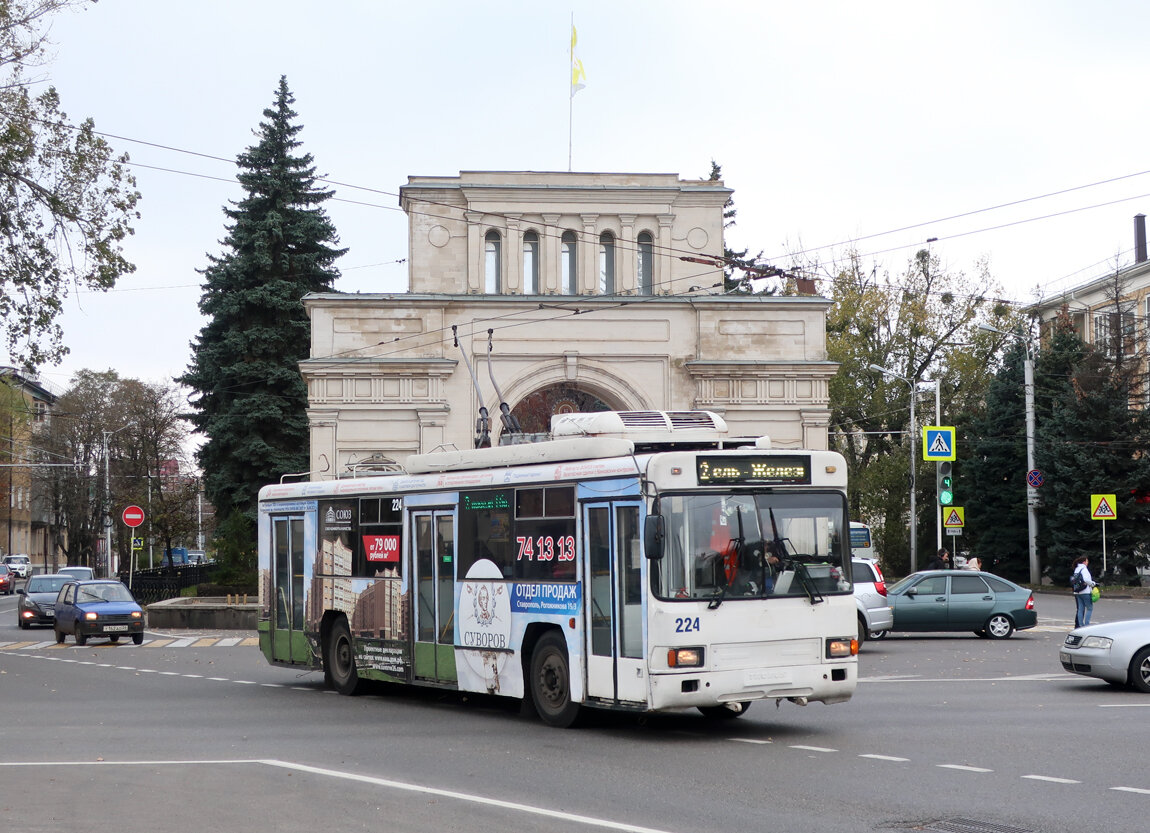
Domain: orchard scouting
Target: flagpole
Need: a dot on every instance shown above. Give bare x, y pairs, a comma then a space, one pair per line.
570, 92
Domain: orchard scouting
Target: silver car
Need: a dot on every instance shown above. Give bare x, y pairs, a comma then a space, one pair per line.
1117, 652
876, 616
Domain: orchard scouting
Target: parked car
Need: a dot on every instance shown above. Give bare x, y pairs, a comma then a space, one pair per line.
960, 600
98, 608
77, 573
21, 565
7, 580
1117, 652
875, 612
37, 604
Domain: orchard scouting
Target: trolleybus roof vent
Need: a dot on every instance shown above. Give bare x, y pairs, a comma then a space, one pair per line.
644, 427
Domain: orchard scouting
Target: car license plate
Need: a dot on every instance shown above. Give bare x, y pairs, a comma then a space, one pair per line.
50, 614
110, 628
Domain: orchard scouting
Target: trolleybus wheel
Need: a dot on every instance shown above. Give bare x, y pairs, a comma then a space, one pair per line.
550, 682
339, 661
727, 711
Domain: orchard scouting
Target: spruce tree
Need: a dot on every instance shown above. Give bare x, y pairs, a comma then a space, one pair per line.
1092, 439
250, 400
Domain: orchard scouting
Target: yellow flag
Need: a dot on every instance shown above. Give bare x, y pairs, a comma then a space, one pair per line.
578, 76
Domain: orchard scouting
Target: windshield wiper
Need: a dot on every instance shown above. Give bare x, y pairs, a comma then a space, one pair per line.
799, 567
732, 557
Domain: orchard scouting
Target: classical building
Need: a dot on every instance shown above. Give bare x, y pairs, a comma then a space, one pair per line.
553, 292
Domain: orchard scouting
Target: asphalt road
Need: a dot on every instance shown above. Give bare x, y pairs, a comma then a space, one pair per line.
196, 732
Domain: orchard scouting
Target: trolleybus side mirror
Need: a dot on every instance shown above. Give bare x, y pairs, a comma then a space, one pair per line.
653, 535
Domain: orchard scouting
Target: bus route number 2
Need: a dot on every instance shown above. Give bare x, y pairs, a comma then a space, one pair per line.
546, 548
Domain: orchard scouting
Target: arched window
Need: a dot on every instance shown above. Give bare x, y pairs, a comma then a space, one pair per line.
493, 264
570, 276
645, 266
530, 263
606, 264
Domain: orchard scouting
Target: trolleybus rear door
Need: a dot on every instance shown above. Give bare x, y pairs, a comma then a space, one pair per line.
433, 534
613, 563
288, 642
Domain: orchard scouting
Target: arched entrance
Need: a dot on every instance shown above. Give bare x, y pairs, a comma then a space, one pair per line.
534, 412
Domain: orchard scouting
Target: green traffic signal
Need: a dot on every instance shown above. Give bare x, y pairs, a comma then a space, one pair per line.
945, 484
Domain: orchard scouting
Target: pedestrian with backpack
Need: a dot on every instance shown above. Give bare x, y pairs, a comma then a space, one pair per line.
1082, 585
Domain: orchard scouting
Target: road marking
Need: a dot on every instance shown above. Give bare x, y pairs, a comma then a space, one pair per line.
751, 740
1131, 790
1124, 706
198, 641
812, 748
964, 768
1052, 779
885, 758
468, 797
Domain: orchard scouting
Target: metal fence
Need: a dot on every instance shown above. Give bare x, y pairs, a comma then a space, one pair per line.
161, 583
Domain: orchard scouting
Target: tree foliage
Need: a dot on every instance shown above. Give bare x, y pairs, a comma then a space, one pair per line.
251, 400
66, 202
917, 325
142, 430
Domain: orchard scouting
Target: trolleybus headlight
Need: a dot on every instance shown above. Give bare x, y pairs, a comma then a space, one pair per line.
685, 657
838, 648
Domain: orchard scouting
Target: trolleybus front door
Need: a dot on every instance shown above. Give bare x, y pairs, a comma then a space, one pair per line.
434, 535
613, 563
288, 642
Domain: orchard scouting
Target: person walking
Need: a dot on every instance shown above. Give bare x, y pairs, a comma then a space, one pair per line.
1082, 584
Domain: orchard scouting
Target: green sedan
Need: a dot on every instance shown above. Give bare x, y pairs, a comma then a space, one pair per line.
960, 600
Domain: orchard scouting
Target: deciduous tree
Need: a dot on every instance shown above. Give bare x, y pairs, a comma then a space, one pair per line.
66, 201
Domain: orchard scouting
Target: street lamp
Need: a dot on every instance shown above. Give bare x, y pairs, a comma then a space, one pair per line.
108, 498
1031, 492
913, 512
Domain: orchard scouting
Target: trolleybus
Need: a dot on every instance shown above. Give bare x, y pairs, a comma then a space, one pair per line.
634, 561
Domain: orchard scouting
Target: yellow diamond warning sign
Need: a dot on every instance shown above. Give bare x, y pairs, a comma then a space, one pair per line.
1103, 507
953, 517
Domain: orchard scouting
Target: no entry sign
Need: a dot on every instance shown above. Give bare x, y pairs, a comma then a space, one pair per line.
133, 516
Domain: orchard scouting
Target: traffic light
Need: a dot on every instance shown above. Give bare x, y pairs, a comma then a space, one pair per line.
945, 484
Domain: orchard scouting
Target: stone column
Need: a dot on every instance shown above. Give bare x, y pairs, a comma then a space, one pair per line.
626, 275
550, 248
475, 251
588, 264
663, 266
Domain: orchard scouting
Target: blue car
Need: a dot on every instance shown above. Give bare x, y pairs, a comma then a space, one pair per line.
98, 608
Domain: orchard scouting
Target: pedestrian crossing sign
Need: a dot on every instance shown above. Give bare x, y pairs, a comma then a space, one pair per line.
953, 517
1103, 508
938, 442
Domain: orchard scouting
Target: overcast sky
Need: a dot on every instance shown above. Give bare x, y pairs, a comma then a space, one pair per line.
833, 121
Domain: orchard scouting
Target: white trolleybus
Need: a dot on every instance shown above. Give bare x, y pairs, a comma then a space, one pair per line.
635, 561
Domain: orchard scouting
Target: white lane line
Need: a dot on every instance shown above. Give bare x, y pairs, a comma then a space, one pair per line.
1052, 779
245, 682
229, 642
470, 797
964, 768
182, 643
219, 679
886, 758
751, 740
812, 748
1131, 790
1125, 706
